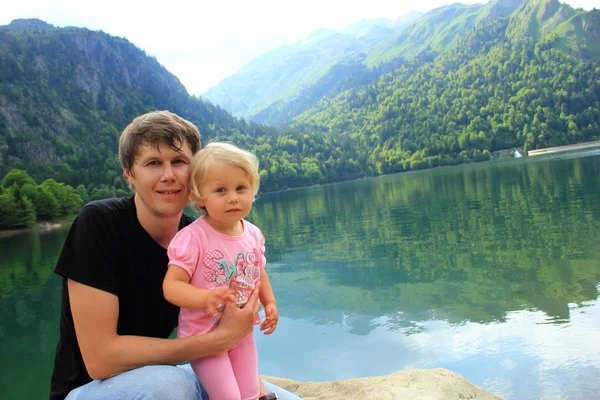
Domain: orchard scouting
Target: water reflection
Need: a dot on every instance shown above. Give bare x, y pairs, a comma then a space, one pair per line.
472, 243
29, 312
27, 260
490, 270
524, 357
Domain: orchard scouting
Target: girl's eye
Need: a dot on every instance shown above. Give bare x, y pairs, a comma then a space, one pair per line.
220, 190
240, 188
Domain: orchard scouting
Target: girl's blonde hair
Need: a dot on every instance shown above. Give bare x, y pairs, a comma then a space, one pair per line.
217, 154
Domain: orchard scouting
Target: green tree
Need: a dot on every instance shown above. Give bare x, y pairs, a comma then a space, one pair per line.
16, 210
68, 198
46, 205
83, 193
17, 176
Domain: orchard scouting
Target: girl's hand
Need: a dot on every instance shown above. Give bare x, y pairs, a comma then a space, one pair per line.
271, 319
218, 298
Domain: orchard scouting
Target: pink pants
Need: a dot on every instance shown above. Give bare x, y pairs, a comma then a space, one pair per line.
232, 375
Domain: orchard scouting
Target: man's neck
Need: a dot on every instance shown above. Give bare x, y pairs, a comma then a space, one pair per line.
160, 228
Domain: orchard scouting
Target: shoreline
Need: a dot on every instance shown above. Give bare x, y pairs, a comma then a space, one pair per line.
41, 227
560, 149
501, 154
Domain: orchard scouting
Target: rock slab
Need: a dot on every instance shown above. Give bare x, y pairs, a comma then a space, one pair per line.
433, 384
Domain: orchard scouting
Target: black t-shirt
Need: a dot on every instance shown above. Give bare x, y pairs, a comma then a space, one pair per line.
107, 248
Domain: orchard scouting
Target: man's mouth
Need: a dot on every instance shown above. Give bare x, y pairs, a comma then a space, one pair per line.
168, 192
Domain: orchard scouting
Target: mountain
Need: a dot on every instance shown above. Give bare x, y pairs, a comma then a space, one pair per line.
524, 75
66, 94
573, 31
518, 74
282, 73
416, 36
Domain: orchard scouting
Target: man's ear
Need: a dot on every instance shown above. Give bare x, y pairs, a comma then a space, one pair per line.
128, 176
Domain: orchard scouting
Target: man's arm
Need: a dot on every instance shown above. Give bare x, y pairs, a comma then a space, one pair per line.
105, 353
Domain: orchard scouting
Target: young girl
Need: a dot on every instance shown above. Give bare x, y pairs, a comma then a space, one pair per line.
217, 259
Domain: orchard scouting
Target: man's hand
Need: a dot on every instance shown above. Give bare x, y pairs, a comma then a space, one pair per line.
272, 318
218, 298
238, 323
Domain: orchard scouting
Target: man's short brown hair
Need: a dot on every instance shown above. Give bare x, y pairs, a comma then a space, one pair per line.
152, 129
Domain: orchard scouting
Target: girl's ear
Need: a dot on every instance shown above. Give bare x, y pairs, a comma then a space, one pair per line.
199, 204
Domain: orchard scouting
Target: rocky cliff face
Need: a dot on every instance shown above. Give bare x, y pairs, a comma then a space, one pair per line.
66, 93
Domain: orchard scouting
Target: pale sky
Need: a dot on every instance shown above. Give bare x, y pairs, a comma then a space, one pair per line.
202, 42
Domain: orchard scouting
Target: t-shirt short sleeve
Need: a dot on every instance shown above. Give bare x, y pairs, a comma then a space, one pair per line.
86, 257
184, 251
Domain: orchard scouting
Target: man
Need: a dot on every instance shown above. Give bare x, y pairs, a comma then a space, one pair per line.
115, 322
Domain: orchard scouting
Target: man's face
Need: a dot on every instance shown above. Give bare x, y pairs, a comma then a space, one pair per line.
160, 177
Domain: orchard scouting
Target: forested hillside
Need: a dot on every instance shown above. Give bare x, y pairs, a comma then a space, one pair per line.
440, 31
526, 75
488, 95
67, 93
518, 74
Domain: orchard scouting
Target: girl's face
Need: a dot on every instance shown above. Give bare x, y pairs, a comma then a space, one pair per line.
227, 196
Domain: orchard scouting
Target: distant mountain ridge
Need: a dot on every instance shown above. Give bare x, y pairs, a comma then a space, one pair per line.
268, 92
23, 24
282, 73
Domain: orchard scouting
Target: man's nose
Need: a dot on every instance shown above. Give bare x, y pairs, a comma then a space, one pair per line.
168, 173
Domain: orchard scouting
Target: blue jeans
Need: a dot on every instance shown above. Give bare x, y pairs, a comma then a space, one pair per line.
155, 382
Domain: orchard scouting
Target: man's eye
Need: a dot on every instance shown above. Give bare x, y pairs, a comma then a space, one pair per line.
178, 161
153, 163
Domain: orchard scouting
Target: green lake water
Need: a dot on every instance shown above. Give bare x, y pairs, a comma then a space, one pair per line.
491, 270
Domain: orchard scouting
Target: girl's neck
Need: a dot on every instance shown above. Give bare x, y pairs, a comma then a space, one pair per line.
235, 229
